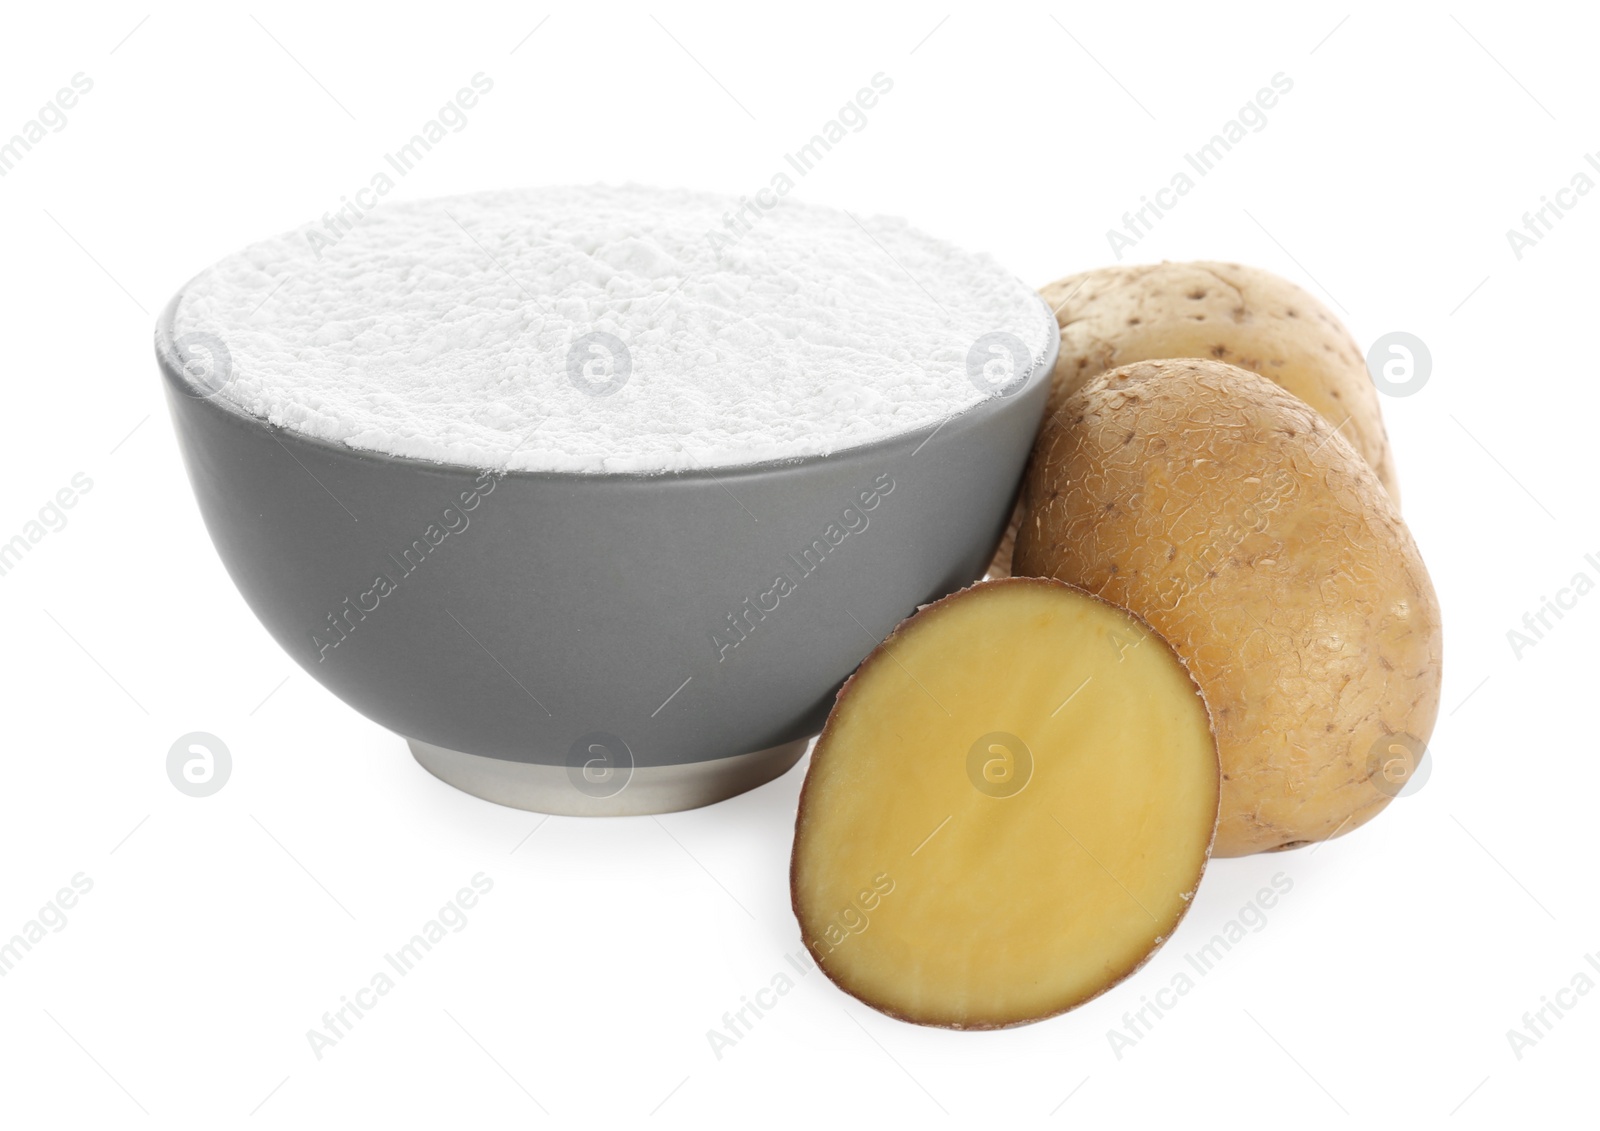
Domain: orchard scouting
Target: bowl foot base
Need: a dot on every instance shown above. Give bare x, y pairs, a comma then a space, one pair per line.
646, 789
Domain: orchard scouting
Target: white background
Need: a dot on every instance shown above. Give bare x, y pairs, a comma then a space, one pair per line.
220, 929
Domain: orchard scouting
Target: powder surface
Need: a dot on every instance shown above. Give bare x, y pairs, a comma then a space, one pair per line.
601, 329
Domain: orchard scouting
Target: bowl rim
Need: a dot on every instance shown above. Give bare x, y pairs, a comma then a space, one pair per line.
181, 382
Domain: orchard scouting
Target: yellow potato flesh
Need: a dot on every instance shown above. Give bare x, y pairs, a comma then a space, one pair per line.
1008, 810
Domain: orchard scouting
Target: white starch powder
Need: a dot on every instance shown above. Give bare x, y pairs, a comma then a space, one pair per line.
605, 329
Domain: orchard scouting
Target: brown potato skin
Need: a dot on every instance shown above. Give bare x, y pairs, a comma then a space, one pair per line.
1234, 519
1243, 315
1221, 311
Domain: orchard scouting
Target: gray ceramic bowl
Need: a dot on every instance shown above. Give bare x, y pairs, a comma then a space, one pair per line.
595, 644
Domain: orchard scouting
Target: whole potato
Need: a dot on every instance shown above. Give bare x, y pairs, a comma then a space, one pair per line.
1225, 312
1250, 534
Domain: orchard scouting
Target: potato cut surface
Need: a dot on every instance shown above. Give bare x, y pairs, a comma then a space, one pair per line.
1008, 810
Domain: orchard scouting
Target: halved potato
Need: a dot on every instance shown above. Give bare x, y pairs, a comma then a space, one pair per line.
1008, 811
